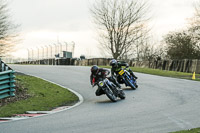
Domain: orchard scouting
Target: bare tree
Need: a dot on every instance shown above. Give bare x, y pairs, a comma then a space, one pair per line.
143, 44
119, 23
7, 29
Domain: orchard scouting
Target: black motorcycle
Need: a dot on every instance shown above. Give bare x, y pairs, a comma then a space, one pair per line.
127, 78
111, 90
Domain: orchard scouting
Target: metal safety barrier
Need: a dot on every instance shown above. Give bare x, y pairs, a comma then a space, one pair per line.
6, 81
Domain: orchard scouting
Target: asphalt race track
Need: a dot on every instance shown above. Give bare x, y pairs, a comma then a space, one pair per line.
159, 105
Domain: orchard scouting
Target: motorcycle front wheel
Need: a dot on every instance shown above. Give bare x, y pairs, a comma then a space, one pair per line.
110, 95
131, 85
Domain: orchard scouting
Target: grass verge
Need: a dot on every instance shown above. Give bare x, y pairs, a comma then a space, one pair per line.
195, 130
165, 73
43, 96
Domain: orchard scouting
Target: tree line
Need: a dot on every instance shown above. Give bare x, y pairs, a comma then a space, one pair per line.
8, 30
123, 31
185, 44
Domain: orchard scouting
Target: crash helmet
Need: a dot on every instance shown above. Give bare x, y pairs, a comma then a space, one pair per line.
94, 69
113, 63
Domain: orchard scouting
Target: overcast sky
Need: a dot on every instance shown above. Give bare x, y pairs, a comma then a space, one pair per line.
43, 22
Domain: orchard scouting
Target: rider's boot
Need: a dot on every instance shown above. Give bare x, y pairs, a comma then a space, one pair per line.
132, 74
99, 92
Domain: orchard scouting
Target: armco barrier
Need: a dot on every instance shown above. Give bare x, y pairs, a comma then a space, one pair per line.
6, 81
3, 66
7, 84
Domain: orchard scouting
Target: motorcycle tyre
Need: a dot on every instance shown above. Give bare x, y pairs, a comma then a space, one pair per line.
122, 95
110, 95
136, 85
131, 85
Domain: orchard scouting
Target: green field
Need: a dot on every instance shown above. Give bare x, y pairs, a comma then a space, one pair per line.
42, 96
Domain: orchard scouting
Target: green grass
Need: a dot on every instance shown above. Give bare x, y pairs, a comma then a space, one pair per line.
165, 73
195, 130
44, 96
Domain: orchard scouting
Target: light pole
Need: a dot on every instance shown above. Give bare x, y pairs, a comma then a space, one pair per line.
60, 48
28, 54
66, 46
73, 47
47, 55
46, 51
32, 54
55, 49
56, 53
38, 55
51, 54
38, 52
42, 52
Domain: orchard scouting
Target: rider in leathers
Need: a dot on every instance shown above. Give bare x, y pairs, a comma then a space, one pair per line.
116, 67
98, 74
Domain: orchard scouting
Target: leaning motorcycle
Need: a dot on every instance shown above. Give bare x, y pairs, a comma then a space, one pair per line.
111, 90
127, 78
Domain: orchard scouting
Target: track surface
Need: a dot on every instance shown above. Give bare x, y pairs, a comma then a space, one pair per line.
159, 105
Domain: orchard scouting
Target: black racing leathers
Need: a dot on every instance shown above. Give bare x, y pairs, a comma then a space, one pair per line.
100, 75
116, 69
